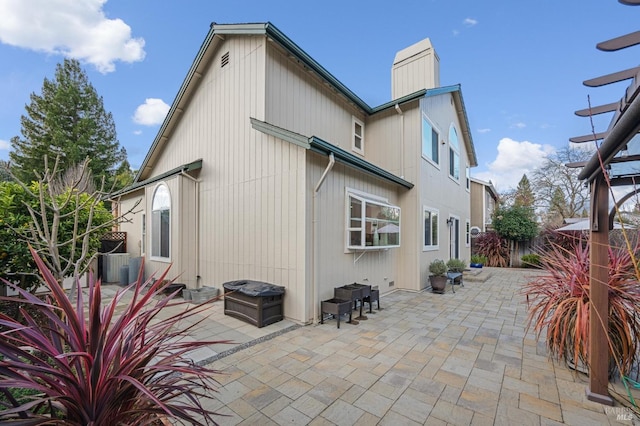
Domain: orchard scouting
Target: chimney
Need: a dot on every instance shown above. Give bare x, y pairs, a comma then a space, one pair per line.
414, 68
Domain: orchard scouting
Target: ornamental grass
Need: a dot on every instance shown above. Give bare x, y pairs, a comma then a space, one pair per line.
86, 364
559, 305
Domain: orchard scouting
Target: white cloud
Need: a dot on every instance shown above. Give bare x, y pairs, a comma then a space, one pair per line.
456, 32
73, 28
4, 145
483, 130
518, 125
470, 22
137, 132
513, 160
151, 112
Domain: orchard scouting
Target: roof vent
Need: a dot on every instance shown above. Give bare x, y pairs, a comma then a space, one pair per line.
224, 60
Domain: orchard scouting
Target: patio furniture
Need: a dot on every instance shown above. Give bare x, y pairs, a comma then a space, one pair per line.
335, 307
454, 277
254, 302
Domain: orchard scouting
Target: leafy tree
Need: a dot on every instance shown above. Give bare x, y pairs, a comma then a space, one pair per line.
58, 217
554, 178
67, 120
515, 223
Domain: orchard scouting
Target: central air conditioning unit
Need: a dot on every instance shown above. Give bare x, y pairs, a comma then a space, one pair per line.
111, 266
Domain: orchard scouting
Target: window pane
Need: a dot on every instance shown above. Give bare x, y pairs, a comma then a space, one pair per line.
427, 228
355, 238
161, 222
355, 208
434, 146
453, 138
434, 229
357, 142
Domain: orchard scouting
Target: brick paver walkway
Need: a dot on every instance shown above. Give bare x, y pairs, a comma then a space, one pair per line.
460, 359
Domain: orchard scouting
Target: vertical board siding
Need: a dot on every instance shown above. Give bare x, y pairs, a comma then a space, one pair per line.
250, 183
300, 102
437, 190
335, 265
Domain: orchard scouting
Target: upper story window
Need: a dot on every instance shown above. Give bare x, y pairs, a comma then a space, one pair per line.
430, 228
358, 136
467, 172
372, 223
454, 153
160, 222
430, 138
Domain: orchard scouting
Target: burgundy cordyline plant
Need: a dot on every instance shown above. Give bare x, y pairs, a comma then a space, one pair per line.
559, 305
87, 365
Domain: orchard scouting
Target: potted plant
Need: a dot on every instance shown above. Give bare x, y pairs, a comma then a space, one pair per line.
438, 277
478, 261
457, 266
86, 362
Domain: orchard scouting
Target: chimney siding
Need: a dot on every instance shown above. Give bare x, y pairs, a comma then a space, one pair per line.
414, 68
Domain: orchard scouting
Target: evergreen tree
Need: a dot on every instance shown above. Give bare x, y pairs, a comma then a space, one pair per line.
524, 194
68, 120
5, 176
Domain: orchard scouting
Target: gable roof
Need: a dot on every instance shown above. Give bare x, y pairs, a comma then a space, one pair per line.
216, 35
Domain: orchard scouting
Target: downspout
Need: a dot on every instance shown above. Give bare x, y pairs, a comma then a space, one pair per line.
314, 280
197, 224
401, 113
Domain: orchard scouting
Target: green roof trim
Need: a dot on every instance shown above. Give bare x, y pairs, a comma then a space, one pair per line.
323, 147
189, 167
280, 133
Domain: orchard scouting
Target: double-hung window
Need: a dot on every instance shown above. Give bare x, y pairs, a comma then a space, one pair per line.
358, 136
454, 153
372, 223
430, 139
160, 222
430, 241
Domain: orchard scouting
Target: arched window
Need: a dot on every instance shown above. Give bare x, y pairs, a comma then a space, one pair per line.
160, 222
454, 153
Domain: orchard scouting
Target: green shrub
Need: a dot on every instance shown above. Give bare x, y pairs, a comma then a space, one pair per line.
531, 260
438, 267
478, 258
456, 265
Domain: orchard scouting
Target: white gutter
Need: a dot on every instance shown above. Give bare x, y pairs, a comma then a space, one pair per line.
314, 275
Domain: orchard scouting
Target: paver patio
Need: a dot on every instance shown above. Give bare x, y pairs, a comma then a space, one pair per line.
460, 359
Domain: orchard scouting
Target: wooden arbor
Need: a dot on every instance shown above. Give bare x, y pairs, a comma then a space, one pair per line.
616, 163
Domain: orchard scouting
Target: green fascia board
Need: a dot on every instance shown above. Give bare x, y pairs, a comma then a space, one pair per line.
195, 165
326, 148
280, 133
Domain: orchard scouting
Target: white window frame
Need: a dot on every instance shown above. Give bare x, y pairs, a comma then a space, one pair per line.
143, 234
153, 256
427, 156
376, 223
454, 154
354, 136
467, 172
432, 212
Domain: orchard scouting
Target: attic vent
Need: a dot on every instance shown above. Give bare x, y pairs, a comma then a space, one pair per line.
475, 231
224, 60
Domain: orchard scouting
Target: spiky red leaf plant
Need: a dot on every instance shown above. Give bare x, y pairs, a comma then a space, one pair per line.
559, 305
92, 366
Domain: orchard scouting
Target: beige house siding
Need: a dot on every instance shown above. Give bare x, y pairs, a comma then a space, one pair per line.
251, 210
298, 101
437, 189
477, 205
334, 264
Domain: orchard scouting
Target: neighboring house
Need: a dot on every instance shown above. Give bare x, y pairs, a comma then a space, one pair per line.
484, 199
268, 168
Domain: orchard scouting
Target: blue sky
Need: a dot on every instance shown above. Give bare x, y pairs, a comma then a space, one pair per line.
520, 64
